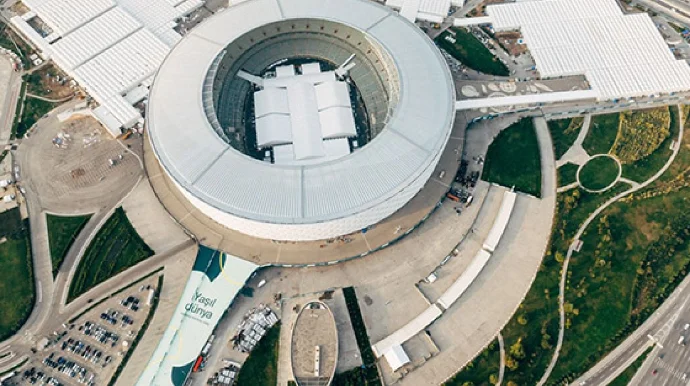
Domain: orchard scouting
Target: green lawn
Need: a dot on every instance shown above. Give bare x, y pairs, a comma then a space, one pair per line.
471, 52
627, 375
567, 174
602, 134
564, 133
633, 255
261, 367
513, 159
17, 291
34, 109
645, 168
479, 372
598, 173
116, 247
62, 230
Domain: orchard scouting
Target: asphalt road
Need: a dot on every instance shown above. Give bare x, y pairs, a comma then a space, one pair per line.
670, 361
663, 327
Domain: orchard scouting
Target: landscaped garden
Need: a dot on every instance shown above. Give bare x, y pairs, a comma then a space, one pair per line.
638, 246
261, 367
602, 134
534, 327
62, 230
17, 287
465, 47
654, 148
116, 247
513, 159
564, 133
599, 173
567, 174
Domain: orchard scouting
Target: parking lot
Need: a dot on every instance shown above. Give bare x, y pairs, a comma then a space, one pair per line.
89, 349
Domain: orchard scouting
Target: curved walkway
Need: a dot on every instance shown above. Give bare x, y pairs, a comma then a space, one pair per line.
576, 238
502, 368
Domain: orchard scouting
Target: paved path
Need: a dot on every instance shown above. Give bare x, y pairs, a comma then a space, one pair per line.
61, 100
502, 368
577, 154
576, 238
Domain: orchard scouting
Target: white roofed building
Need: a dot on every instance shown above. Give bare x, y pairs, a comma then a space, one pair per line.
304, 117
620, 55
110, 47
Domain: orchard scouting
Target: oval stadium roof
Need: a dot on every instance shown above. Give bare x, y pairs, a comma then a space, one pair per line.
333, 198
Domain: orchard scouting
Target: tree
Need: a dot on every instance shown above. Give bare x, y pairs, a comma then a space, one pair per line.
511, 383
522, 320
493, 379
516, 350
468, 383
511, 363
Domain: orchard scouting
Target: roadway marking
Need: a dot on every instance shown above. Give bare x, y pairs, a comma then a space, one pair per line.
40, 292
668, 367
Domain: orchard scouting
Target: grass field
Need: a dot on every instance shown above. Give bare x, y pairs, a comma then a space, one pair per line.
627, 375
116, 247
482, 370
261, 367
62, 230
17, 292
598, 173
471, 52
513, 159
602, 134
645, 168
564, 133
567, 174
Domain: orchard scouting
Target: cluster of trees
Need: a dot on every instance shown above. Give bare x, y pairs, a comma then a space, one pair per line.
640, 133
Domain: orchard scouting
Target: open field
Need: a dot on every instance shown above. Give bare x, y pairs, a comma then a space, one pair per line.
261, 367
62, 230
602, 134
513, 159
471, 52
564, 133
17, 291
116, 247
598, 173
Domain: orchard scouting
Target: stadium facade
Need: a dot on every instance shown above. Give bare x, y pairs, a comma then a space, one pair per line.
222, 137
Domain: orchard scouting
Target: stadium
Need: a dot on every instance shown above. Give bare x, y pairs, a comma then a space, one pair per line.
300, 120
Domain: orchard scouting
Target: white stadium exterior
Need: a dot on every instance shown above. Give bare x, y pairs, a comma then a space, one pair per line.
194, 113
